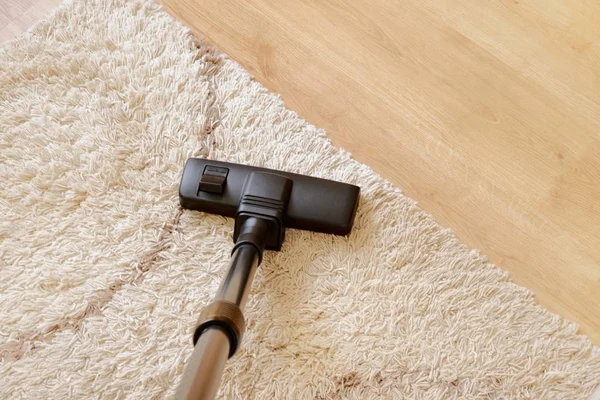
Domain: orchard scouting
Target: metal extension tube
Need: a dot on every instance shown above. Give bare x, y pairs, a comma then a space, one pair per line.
205, 366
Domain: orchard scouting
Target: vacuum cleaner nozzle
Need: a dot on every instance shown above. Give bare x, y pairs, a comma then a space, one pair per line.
264, 202
285, 199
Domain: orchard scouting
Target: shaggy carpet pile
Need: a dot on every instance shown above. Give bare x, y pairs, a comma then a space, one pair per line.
103, 275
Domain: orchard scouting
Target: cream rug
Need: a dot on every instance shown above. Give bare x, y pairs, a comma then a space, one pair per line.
102, 275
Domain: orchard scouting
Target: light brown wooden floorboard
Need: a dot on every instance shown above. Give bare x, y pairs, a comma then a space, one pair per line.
16, 16
486, 113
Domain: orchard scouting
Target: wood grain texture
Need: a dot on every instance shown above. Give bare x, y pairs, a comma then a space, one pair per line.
486, 113
16, 16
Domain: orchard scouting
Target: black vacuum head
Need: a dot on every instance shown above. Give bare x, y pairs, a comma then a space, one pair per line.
292, 200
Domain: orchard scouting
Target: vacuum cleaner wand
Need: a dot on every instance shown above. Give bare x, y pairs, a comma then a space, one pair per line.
263, 202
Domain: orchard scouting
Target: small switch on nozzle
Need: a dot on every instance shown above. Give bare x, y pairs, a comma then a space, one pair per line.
213, 179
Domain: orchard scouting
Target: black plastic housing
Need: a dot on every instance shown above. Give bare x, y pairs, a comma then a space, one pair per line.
265, 196
315, 204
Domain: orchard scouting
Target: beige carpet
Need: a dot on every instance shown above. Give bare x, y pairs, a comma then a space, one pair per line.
102, 275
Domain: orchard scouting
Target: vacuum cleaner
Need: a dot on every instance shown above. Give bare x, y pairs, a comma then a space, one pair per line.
263, 202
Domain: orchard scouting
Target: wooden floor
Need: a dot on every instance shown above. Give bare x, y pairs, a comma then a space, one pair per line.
16, 16
487, 113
